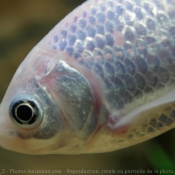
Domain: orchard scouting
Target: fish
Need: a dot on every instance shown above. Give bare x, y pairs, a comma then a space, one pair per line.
101, 80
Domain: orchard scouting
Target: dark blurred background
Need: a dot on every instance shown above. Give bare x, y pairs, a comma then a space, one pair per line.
22, 25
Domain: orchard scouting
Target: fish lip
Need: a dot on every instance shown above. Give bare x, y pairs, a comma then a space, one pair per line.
0, 110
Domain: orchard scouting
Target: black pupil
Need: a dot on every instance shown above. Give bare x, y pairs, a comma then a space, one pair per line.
24, 112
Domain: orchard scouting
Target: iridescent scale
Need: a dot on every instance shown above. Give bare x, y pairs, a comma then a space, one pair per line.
129, 44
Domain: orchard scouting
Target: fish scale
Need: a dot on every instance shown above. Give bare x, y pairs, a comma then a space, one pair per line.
107, 70
145, 53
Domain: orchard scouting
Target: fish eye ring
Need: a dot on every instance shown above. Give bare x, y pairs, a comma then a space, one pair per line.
26, 111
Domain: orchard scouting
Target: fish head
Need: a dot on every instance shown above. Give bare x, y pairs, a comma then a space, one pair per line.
25, 109
48, 108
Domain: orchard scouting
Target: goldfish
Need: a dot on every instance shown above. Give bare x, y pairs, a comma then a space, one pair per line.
102, 79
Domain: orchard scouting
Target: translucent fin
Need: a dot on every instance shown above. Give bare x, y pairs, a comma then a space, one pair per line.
152, 108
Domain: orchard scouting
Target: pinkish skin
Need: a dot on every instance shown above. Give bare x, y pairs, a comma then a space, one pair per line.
106, 127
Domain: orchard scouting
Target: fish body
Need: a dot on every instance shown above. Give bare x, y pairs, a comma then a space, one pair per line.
102, 79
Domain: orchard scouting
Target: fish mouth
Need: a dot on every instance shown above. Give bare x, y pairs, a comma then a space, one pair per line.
7, 132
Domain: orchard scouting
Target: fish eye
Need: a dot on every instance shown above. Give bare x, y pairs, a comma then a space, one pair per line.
26, 111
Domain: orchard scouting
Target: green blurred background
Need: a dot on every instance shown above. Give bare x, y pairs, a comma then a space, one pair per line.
22, 25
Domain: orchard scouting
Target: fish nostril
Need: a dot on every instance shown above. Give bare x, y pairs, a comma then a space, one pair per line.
26, 111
